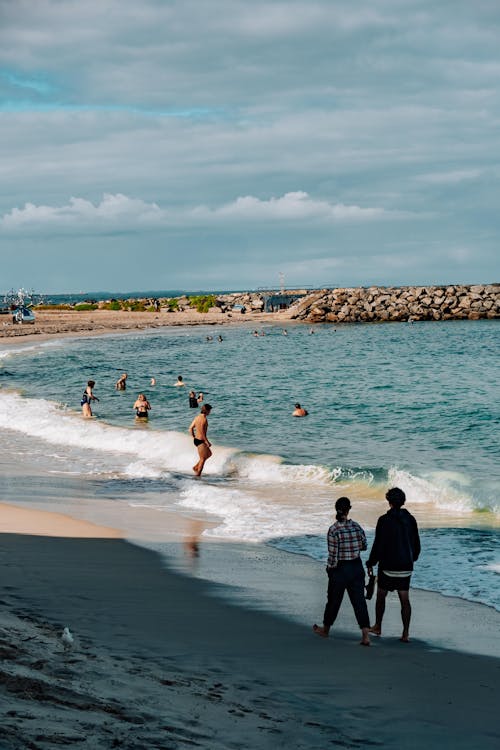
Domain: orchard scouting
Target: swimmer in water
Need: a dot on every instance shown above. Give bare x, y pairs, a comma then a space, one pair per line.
87, 397
121, 383
142, 406
299, 411
179, 381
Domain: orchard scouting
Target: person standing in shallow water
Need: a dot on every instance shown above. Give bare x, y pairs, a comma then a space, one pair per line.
395, 548
121, 383
198, 431
87, 398
346, 539
193, 401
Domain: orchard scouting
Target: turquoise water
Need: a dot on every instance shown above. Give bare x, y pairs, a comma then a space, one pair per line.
413, 405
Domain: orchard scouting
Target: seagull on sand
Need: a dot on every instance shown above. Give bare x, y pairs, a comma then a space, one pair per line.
67, 639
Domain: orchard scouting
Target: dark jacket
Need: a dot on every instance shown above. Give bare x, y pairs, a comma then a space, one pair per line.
397, 544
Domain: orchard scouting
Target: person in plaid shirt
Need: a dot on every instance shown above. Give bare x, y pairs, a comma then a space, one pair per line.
346, 539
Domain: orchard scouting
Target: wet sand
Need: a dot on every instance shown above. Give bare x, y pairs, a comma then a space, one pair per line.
161, 659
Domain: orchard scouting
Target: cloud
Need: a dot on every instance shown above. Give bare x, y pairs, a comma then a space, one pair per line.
112, 210
119, 211
453, 177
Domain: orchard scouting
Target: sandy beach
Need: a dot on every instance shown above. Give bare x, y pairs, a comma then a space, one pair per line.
59, 323
162, 659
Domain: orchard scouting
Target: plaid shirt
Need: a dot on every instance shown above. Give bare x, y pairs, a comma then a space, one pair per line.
345, 541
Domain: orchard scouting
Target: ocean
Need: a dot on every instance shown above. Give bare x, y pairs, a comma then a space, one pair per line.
409, 405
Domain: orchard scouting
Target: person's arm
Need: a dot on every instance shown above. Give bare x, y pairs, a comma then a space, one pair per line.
332, 548
375, 551
191, 427
415, 541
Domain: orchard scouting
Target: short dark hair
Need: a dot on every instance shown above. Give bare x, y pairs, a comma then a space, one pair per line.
91, 383
297, 405
205, 408
395, 497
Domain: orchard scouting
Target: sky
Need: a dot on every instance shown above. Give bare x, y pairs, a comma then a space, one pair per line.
216, 144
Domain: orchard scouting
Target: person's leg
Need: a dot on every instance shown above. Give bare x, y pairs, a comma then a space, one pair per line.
376, 629
204, 453
336, 588
356, 591
404, 598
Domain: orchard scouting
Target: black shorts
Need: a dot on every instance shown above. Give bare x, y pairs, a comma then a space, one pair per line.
198, 442
393, 583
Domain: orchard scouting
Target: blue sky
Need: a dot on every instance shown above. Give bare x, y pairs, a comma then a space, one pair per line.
218, 143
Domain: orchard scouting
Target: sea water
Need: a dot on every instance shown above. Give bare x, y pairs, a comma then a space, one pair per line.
409, 405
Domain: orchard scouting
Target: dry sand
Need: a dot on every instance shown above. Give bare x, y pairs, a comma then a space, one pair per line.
160, 660
57, 323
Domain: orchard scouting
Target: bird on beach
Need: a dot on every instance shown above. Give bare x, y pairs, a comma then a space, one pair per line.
67, 639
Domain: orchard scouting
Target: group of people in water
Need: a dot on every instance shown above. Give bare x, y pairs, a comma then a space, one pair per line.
198, 428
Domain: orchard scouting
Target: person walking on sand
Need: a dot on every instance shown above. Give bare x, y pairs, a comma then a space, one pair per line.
346, 539
142, 407
395, 548
198, 431
87, 398
121, 383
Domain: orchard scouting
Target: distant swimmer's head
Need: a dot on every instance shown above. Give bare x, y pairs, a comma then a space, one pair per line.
342, 506
206, 409
91, 383
179, 378
395, 497
298, 406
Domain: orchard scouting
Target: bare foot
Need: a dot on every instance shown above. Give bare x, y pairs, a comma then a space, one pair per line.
375, 630
364, 643
365, 638
321, 630
405, 638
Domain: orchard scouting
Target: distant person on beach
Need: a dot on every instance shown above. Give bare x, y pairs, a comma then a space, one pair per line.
299, 411
142, 407
193, 401
346, 539
395, 548
179, 380
87, 398
121, 383
198, 430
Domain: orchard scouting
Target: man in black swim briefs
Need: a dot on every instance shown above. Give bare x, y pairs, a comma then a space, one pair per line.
198, 431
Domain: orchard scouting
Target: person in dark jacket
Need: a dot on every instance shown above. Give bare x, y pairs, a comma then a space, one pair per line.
395, 548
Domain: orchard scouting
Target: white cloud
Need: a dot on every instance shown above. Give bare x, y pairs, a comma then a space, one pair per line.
121, 211
112, 209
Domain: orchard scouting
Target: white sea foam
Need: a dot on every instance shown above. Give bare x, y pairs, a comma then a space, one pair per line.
249, 517
54, 424
445, 490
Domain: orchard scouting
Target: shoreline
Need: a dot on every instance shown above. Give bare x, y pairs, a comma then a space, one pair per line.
163, 659
62, 324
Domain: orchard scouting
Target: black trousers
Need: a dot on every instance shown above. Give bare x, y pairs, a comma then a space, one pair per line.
349, 575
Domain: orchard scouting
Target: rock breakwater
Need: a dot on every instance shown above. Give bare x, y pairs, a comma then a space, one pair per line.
365, 304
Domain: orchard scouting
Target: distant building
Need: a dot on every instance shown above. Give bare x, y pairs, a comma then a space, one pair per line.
274, 301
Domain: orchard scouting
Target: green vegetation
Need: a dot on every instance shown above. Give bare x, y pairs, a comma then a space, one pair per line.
115, 305
203, 302
85, 306
173, 304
